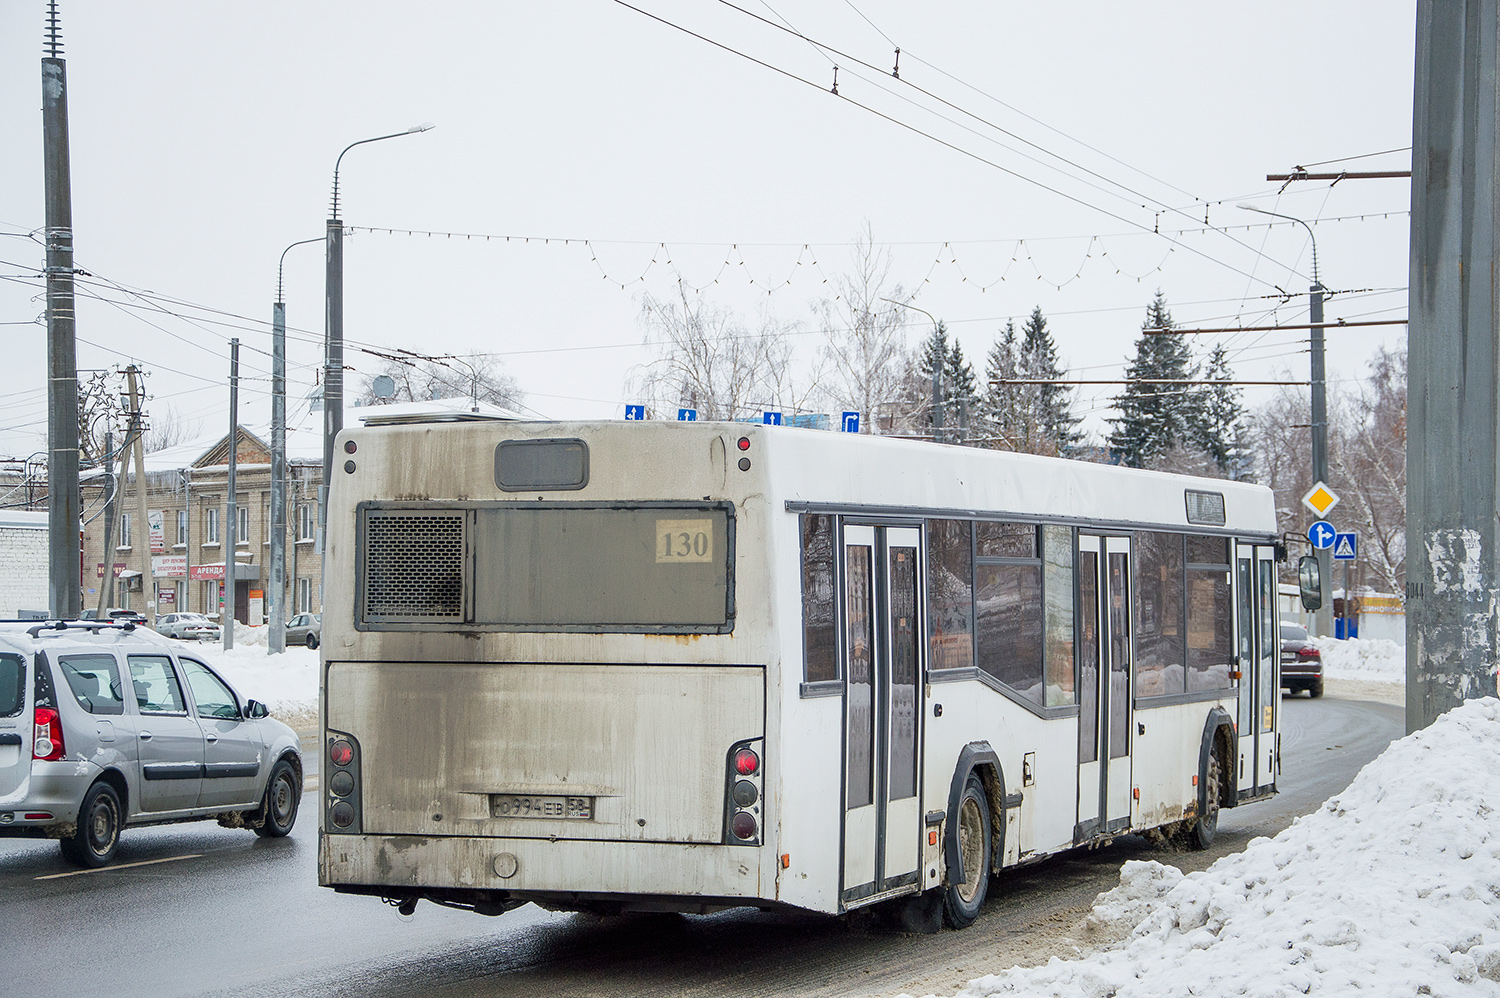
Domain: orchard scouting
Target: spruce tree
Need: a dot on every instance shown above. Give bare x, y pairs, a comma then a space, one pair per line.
1053, 408
956, 383
1219, 413
960, 389
1000, 402
1154, 418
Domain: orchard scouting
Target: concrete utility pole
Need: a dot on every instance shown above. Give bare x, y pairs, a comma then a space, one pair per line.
141, 541
231, 586
107, 581
1453, 413
333, 354
64, 507
1323, 623
276, 637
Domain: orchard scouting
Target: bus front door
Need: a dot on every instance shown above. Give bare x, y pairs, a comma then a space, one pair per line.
1259, 684
882, 672
1104, 686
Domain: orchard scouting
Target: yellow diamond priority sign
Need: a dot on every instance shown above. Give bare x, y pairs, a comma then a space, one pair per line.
1321, 499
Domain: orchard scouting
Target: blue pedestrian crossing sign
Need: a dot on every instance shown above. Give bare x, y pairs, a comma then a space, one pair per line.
635, 412
770, 418
687, 415
1321, 534
1345, 546
850, 422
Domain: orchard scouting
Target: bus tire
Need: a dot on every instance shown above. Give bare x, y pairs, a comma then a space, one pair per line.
962, 901
1206, 825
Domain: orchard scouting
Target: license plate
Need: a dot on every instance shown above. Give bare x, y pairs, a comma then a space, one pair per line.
541, 806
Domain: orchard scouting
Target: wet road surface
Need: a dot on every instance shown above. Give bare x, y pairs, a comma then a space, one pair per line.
207, 909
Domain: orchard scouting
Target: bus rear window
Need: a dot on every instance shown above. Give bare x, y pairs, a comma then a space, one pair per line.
641, 568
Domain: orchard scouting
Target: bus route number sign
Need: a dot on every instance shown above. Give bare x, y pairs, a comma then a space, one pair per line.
541, 806
683, 542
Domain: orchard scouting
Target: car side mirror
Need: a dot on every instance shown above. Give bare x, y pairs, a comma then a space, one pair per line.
255, 708
1309, 582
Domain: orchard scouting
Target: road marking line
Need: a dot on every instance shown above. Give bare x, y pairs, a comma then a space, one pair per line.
120, 866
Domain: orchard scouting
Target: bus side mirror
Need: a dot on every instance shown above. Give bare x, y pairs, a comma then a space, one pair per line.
1309, 583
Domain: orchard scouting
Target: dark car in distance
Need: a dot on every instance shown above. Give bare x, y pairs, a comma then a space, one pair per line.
1301, 662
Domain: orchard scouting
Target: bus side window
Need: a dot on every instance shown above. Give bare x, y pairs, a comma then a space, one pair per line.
1159, 646
819, 637
1008, 604
950, 594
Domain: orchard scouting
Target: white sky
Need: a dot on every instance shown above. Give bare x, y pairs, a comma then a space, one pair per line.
204, 137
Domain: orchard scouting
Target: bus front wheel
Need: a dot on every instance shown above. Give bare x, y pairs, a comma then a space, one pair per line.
962, 901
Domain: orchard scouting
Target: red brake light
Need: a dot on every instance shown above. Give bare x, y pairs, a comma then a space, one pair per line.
47, 737
743, 825
746, 763
1310, 653
341, 752
744, 443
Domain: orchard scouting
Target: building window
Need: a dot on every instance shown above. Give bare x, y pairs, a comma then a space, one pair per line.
304, 595
211, 598
242, 528
124, 530
182, 527
307, 522
211, 525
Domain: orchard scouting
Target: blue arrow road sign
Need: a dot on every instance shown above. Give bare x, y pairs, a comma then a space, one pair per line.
691, 416
1321, 534
851, 422
635, 412
770, 418
1345, 546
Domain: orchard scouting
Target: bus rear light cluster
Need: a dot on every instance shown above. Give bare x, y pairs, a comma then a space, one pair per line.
342, 795
47, 736
743, 803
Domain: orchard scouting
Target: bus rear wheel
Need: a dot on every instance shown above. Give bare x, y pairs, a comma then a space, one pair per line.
962, 901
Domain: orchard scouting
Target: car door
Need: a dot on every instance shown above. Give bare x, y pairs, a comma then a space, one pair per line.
168, 737
16, 727
232, 746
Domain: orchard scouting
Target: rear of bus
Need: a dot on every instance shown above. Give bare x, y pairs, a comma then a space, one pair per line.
542, 677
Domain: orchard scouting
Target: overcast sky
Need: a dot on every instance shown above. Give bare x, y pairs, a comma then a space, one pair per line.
204, 138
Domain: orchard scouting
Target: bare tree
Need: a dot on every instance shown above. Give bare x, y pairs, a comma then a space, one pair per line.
167, 428
708, 360
1369, 467
866, 340
475, 376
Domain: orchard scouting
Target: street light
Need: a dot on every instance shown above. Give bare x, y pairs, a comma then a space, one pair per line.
937, 375
333, 354
1319, 402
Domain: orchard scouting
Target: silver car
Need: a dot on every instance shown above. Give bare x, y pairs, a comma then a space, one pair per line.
305, 629
104, 726
188, 627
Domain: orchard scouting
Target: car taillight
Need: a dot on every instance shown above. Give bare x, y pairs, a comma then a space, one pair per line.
47, 737
1309, 653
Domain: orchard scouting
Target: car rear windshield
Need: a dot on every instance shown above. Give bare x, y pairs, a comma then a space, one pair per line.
12, 685
95, 682
1293, 632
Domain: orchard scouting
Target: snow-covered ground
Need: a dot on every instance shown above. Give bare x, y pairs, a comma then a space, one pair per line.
287, 683
1390, 888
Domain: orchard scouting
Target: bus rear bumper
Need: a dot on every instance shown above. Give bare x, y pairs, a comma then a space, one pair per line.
564, 873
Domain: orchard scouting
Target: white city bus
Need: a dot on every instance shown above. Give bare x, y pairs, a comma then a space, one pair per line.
620, 666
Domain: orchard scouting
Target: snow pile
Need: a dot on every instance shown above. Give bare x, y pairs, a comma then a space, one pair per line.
287, 683
1375, 659
1390, 888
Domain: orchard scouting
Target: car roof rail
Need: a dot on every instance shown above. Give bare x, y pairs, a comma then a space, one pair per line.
92, 626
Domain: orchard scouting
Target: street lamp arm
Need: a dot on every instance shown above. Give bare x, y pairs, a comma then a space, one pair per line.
282, 263
914, 308
1292, 218
414, 129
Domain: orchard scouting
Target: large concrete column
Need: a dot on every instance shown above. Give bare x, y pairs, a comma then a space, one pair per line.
1453, 415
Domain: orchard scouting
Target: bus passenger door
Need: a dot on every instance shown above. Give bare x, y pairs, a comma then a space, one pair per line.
1090, 695
1114, 685
882, 672
1259, 650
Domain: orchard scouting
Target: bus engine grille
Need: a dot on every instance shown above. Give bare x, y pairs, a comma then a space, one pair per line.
413, 565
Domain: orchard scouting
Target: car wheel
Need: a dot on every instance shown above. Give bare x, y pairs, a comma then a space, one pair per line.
279, 807
1206, 825
1316, 689
312, 641
962, 901
97, 837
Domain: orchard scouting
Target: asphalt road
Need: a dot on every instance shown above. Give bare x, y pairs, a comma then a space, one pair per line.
191, 909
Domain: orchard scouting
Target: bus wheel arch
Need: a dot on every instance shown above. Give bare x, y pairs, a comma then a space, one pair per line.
1215, 778
975, 796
